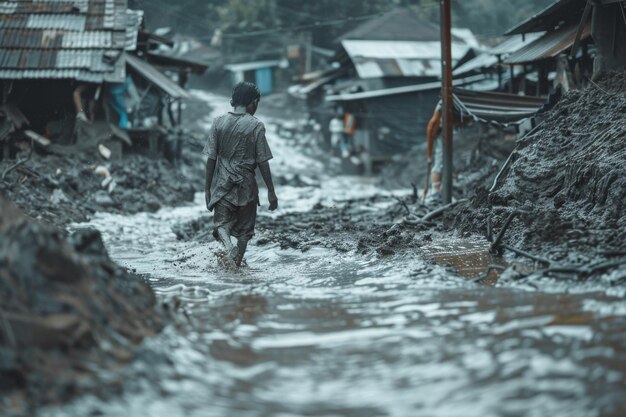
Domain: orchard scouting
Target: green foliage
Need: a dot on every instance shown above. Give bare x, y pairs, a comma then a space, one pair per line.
488, 18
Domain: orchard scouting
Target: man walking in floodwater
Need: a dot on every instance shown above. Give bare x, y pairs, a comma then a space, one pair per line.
235, 147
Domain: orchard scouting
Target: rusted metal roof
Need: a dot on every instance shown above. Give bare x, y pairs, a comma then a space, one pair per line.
80, 39
514, 43
549, 45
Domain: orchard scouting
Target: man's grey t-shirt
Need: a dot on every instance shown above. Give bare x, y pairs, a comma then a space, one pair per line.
237, 142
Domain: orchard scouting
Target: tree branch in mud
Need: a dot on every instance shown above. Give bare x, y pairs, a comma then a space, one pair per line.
490, 268
496, 245
528, 255
403, 203
441, 210
21, 161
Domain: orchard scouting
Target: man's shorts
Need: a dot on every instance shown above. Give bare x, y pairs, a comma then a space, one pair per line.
238, 220
437, 167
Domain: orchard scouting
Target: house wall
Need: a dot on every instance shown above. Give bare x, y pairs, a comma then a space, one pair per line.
405, 116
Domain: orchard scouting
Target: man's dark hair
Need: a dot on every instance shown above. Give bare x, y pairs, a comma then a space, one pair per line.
245, 93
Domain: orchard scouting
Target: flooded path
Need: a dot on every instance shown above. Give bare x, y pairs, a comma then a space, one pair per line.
325, 333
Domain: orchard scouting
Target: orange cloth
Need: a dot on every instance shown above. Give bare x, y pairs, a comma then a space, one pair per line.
433, 129
349, 123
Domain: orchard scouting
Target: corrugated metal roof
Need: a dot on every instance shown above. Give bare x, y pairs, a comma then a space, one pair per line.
479, 62
249, 66
514, 43
81, 39
467, 36
133, 23
57, 21
414, 88
374, 59
548, 46
153, 75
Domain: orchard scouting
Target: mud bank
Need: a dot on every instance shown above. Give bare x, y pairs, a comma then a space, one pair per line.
565, 183
70, 315
62, 189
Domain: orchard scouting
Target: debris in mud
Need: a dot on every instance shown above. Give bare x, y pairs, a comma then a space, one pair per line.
566, 181
59, 189
69, 314
357, 224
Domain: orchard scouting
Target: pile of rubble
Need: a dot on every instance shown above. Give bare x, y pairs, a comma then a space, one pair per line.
66, 187
69, 314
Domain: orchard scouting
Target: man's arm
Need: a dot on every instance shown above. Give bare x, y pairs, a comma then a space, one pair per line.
266, 173
210, 170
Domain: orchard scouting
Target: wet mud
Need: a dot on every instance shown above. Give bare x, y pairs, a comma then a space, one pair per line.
59, 190
362, 225
566, 182
70, 315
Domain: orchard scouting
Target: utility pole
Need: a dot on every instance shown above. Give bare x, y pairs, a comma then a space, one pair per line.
446, 97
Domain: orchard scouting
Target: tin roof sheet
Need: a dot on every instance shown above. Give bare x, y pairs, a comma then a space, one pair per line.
66, 39
374, 59
156, 77
514, 43
549, 45
481, 61
413, 88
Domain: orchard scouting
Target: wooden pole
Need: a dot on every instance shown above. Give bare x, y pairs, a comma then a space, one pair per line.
446, 96
579, 31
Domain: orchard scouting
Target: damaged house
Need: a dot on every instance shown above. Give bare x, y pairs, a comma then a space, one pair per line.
73, 73
386, 78
558, 45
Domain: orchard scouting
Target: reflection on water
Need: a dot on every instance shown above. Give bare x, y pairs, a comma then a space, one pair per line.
330, 334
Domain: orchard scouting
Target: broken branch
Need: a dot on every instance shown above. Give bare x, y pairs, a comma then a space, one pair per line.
527, 255
495, 246
441, 210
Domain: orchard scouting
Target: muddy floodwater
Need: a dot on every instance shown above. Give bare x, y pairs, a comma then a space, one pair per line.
328, 334
325, 333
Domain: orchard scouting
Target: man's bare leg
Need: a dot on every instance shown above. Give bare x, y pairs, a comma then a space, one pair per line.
224, 235
242, 245
435, 179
